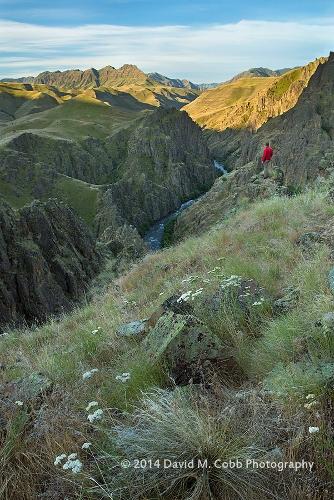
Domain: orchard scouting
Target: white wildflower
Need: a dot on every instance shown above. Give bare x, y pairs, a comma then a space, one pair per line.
59, 459
310, 396
310, 404
72, 456
259, 302
91, 404
312, 430
94, 332
184, 297
231, 281
197, 292
214, 270
124, 377
19, 403
189, 279
85, 446
89, 374
97, 415
74, 465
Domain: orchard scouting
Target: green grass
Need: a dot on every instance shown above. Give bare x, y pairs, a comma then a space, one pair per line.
289, 354
80, 195
15, 197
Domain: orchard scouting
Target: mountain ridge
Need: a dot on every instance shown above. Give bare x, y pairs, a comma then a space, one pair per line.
249, 101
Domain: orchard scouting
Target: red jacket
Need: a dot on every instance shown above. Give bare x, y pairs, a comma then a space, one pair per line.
267, 153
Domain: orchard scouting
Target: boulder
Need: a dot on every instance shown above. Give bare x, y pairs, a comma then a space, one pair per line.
185, 344
132, 329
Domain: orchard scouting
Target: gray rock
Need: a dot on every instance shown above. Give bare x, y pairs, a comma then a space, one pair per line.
185, 344
331, 279
327, 322
133, 329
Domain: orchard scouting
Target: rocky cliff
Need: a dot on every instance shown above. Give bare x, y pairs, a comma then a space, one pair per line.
167, 162
249, 101
239, 188
302, 137
47, 257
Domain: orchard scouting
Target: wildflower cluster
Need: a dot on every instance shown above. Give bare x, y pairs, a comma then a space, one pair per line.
124, 377
190, 295
311, 401
97, 415
258, 302
190, 279
72, 463
89, 373
94, 332
214, 270
231, 281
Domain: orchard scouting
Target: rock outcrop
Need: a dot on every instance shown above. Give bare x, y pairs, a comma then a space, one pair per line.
302, 137
47, 257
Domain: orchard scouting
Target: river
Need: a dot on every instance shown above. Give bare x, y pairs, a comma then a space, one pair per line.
154, 236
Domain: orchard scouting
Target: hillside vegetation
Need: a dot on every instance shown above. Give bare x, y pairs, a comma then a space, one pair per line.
255, 291
249, 101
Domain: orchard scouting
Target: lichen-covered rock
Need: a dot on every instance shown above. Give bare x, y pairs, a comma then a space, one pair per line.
185, 344
327, 323
133, 329
47, 257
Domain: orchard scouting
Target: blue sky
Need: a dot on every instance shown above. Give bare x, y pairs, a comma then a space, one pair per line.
203, 40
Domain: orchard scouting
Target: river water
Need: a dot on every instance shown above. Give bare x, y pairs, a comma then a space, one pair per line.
153, 237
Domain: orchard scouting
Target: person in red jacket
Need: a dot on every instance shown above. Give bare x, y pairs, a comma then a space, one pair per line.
266, 157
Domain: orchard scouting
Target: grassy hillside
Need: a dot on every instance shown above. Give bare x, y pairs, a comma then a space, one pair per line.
76, 381
250, 101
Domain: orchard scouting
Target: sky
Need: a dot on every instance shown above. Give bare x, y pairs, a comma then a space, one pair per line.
201, 40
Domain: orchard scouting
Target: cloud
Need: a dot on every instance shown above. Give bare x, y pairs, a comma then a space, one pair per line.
201, 53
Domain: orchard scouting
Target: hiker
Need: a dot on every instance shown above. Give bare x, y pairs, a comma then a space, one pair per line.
266, 157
